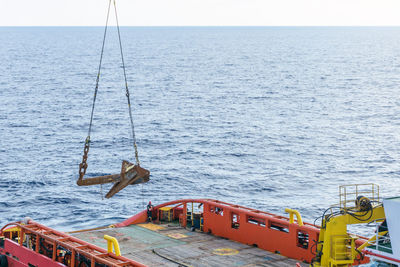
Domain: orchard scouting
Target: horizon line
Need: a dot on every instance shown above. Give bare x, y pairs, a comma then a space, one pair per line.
161, 26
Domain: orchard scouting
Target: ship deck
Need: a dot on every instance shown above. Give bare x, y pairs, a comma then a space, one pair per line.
172, 245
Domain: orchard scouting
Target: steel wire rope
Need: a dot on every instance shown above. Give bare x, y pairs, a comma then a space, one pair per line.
128, 97
83, 165
126, 87
98, 72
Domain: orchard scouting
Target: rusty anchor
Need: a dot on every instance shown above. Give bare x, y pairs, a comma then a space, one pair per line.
130, 174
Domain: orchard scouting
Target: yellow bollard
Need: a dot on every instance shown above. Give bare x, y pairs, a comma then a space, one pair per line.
112, 241
291, 216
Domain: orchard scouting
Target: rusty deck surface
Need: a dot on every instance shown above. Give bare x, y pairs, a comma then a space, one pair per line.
172, 245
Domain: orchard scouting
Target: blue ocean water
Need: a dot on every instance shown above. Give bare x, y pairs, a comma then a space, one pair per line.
267, 117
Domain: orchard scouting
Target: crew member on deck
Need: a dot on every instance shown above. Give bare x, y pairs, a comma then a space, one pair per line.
149, 212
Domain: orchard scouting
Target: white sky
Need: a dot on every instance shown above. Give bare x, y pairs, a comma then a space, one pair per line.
202, 12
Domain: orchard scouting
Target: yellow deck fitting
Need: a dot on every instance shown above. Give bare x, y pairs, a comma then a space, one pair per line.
291, 216
112, 242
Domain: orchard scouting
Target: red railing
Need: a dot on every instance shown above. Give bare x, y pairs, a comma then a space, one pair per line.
249, 226
50, 243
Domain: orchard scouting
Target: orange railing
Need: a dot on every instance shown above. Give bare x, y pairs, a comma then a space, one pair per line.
54, 245
249, 226
265, 230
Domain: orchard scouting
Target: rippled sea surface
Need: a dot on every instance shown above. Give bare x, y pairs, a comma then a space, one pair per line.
263, 117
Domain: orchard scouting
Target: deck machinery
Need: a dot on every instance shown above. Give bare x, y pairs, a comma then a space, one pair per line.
358, 204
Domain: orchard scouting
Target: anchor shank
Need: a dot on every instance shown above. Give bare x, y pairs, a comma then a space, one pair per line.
105, 179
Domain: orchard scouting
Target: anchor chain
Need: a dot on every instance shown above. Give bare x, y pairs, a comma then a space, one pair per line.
83, 165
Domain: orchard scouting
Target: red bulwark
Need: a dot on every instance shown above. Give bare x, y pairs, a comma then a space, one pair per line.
42, 246
253, 227
248, 226
265, 230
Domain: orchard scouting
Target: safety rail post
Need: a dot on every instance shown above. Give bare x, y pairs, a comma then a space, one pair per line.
192, 217
37, 243
54, 251
73, 254
21, 238
184, 214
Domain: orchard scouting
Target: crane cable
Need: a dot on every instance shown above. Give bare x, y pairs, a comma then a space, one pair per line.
127, 90
127, 95
83, 165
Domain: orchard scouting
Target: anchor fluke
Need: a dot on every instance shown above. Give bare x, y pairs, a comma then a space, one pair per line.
130, 174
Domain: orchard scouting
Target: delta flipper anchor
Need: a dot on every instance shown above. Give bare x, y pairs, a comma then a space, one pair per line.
130, 173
